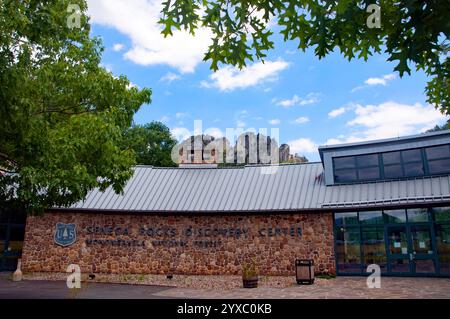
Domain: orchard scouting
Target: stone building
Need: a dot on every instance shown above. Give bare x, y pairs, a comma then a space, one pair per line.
384, 202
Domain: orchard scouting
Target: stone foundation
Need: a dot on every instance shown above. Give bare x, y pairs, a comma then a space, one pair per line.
181, 244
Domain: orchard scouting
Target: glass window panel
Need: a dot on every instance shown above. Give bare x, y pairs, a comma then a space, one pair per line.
375, 217
438, 152
425, 266
393, 171
373, 246
344, 162
345, 219
391, 158
441, 214
417, 215
439, 166
442, 238
412, 155
345, 175
369, 173
348, 250
421, 239
400, 265
397, 240
395, 216
444, 264
367, 160
414, 169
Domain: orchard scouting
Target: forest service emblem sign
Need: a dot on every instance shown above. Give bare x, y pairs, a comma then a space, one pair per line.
65, 234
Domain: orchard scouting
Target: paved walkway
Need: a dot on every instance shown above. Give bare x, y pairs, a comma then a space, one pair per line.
339, 288
40, 289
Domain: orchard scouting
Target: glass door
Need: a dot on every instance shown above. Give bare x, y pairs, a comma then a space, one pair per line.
410, 250
399, 250
423, 252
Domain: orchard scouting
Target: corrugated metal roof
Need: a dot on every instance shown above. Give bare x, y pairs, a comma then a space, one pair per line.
289, 188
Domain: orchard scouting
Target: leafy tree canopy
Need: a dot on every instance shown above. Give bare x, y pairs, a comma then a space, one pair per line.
413, 33
152, 144
442, 127
62, 115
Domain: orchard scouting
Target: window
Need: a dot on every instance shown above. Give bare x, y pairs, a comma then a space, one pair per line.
345, 175
345, 219
369, 218
395, 216
356, 168
412, 163
391, 158
393, 171
437, 152
392, 165
348, 250
441, 214
367, 160
417, 215
344, 162
373, 246
438, 159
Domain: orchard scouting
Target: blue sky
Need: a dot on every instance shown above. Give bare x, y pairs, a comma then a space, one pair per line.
312, 102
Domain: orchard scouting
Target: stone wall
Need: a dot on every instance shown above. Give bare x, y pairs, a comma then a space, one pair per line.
182, 244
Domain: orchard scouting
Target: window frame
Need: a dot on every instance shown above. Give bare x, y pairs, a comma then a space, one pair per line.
424, 161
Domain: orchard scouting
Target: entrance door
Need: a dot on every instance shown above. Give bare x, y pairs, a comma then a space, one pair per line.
410, 250
423, 252
399, 250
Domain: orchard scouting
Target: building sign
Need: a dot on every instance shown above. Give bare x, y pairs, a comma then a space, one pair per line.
166, 236
65, 234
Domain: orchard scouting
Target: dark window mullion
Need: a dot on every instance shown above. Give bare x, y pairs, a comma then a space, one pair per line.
426, 169
381, 165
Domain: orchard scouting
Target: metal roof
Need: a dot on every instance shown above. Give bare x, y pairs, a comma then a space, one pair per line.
253, 189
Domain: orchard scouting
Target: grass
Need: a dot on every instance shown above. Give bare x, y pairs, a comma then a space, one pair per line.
325, 276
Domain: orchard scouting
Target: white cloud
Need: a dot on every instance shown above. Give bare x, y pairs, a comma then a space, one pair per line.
180, 115
389, 119
214, 131
180, 133
132, 85
311, 98
169, 77
138, 20
230, 78
301, 120
274, 122
240, 124
302, 145
118, 47
164, 119
336, 112
383, 80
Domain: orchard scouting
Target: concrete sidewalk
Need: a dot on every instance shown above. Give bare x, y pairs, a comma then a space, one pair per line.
338, 288
41, 289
